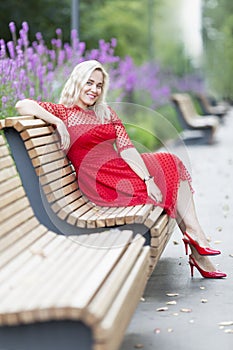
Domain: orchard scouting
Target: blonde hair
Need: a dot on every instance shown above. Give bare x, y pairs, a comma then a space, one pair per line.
77, 80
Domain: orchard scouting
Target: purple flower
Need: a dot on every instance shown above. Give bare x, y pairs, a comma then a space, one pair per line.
12, 27
25, 27
4, 100
58, 31
39, 36
113, 42
11, 49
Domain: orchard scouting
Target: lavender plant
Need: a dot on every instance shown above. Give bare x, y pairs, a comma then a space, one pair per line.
38, 71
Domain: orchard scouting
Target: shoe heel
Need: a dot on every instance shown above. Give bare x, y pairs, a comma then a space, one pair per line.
191, 268
185, 246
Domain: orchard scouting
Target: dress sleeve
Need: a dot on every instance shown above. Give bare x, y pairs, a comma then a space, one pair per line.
122, 138
58, 110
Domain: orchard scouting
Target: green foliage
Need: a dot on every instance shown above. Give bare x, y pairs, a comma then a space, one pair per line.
145, 30
42, 16
218, 33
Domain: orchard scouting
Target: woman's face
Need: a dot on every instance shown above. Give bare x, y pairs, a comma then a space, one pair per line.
92, 90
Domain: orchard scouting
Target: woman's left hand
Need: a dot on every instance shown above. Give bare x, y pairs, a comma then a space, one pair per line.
153, 191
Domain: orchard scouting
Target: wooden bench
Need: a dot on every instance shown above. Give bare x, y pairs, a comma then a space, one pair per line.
208, 109
68, 279
63, 292
191, 120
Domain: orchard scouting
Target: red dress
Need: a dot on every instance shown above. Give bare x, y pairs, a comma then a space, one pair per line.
103, 176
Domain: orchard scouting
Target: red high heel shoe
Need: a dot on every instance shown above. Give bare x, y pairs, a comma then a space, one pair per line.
201, 250
205, 274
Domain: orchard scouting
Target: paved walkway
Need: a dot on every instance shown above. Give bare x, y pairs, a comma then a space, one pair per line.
209, 302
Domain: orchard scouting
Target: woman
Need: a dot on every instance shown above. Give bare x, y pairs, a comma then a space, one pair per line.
110, 171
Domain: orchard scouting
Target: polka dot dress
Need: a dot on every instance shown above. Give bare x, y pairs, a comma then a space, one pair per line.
103, 176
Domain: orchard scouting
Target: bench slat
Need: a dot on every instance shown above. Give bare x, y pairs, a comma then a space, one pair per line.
142, 214
48, 158
60, 183
36, 132
10, 197
159, 225
17, 233
39, 151
6, 162
14, 208
32, 143
9, 184
73, 217
23, 261
60, 193
55, 175
16, 220
23, 124
128, 297
44, 169
19, 246
7, 173
105, 295
153, 217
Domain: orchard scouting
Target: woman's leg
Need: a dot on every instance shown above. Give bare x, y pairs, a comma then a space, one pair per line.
188, 221
187, 216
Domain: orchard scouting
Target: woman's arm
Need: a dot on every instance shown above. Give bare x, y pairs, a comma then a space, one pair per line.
30, 107
133, 158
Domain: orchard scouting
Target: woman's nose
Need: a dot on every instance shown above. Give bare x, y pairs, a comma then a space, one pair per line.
93, 88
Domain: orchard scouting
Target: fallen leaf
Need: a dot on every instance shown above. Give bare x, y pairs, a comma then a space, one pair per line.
226, 323
172, 294
226, 207
138, 346
162, 308
186, 310
204, 301
173, 302
142, 299
228, 330
217, 242
157, 330
38, 252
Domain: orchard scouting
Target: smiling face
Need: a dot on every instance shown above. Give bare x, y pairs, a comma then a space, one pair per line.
91, 91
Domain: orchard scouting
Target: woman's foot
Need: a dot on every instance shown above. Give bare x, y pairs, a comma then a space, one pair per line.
203, 261
198, 236
200, 243
205, 267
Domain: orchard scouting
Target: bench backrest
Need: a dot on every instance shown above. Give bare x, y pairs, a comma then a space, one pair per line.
185, 106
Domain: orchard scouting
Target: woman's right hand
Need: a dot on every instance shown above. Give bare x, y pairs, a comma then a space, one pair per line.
153, 191
64, 135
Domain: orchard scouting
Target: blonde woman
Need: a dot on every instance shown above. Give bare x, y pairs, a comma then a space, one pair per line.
109, 169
